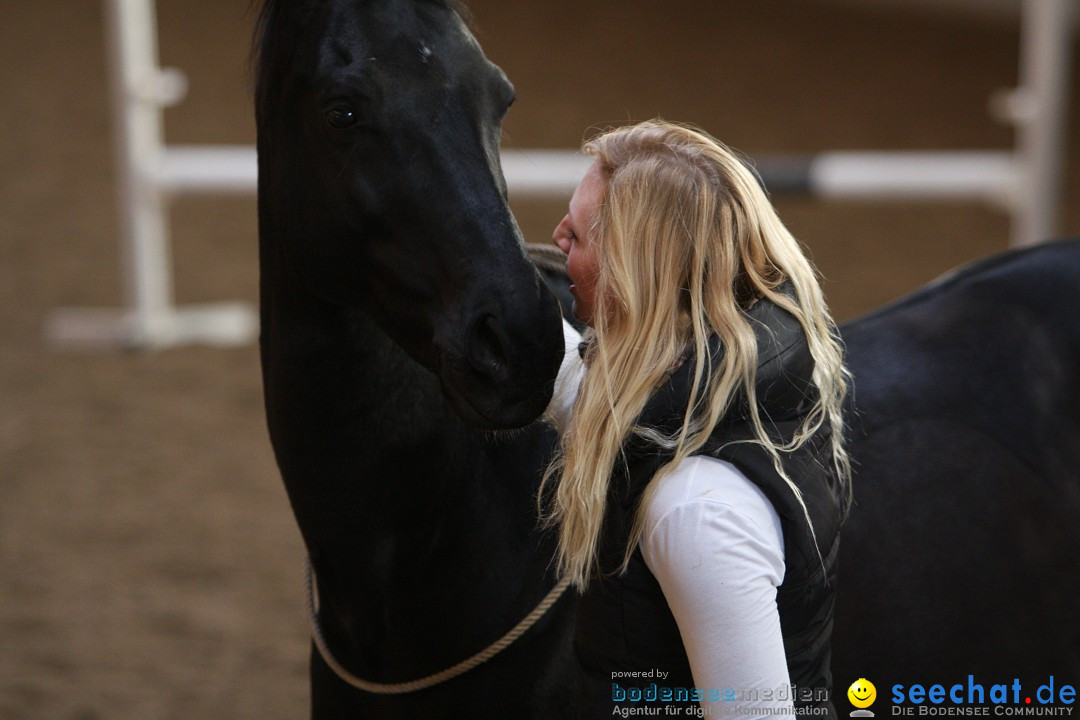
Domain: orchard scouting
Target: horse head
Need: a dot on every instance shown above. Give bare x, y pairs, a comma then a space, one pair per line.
380, 182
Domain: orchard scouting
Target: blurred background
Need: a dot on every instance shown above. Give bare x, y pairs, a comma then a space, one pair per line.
149, 564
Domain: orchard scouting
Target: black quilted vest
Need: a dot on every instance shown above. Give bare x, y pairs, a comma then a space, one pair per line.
624, 624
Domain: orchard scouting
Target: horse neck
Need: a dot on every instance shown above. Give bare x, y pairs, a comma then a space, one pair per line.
349, 412
408, 515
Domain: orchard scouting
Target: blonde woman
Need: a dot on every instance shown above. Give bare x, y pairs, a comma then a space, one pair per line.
701, 481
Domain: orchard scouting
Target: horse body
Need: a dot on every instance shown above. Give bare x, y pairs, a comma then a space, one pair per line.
396, 300
399, 314
962, 552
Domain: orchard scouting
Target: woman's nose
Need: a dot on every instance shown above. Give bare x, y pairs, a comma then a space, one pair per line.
562, 240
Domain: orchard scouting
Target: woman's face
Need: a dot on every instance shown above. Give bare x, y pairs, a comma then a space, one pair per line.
573, 237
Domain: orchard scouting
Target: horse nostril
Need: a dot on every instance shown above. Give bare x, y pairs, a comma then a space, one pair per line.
487, 349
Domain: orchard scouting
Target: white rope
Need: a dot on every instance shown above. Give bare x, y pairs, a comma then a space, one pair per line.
550, 258
413, 685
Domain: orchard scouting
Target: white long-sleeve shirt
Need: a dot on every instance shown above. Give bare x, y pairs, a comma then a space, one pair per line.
714, 543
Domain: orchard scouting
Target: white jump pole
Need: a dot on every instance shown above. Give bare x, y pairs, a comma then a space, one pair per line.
1039, 108
1026, 182
147, 173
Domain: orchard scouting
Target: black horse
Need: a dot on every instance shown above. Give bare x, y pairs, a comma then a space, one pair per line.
962, 553
397, 300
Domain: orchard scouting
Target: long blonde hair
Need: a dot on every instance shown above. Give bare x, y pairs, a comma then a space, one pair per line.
687, 241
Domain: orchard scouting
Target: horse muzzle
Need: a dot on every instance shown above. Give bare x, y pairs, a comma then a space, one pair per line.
501, 371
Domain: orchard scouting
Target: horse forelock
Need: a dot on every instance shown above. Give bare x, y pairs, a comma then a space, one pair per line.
279, 19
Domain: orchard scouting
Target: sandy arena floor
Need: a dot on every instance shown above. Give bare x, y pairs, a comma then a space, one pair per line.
149, 565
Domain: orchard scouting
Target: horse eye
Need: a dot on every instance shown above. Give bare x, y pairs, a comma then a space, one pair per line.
341, 116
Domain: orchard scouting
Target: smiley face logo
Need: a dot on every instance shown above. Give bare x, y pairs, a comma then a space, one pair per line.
862, 693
